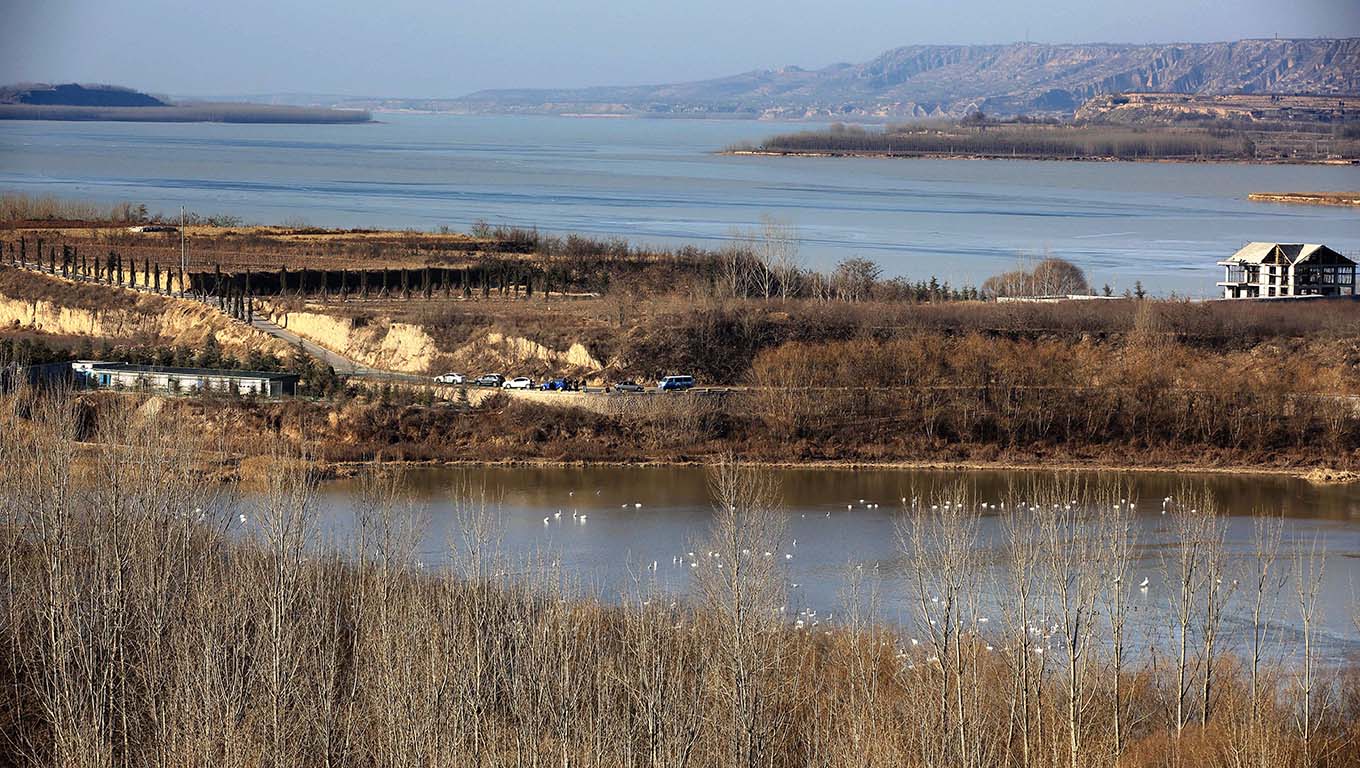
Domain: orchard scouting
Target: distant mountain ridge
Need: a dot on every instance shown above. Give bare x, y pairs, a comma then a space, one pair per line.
952, 80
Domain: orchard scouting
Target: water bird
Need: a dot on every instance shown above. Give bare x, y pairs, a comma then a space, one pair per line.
582, 519
557, 515
637, 505
788, 556
1144, 584
545, 521
794, 585
571, 493
653, 566
243, 518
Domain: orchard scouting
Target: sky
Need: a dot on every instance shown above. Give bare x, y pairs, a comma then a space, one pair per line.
428, 48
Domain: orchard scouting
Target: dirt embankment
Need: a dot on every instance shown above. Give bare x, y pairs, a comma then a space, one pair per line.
55, 306
381, 344
412, 348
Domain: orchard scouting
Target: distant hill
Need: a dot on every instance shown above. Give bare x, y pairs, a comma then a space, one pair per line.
76, 95
952, 80
71, 101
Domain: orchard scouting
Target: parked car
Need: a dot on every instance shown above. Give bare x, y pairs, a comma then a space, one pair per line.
675, 383
519, 382
449, 378
555, 385
628, 386
490, 380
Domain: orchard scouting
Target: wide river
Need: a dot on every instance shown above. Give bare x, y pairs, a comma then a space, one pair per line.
637, 516
660, 181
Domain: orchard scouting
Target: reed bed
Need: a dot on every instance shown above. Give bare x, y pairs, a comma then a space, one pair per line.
153, 617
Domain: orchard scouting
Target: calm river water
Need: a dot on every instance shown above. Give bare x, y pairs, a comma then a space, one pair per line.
660, 181
610, 554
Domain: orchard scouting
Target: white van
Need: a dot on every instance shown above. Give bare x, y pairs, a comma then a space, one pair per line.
675, 383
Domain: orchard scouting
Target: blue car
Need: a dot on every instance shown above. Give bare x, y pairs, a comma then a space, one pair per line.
555, 385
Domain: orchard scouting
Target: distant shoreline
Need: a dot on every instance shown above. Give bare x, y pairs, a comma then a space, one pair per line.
880, 155
260, 114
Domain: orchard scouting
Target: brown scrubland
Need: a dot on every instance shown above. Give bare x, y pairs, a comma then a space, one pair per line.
840, 365
882, 378
151, 616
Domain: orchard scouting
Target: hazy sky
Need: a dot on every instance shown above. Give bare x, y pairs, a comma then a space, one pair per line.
432, 48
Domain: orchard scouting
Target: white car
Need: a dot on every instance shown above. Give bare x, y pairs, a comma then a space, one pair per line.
449, 378
519, 382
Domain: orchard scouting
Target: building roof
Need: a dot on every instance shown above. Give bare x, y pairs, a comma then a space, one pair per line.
225, 373
1290, 253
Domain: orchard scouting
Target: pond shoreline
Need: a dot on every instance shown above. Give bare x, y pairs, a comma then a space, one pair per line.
1316, 475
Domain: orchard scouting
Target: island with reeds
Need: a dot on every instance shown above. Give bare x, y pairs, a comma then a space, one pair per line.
1109, 135
1307, 198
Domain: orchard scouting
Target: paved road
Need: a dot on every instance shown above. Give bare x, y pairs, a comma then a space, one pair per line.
342, 365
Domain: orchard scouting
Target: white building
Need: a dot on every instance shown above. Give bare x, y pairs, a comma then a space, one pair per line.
1266, 270
94, 373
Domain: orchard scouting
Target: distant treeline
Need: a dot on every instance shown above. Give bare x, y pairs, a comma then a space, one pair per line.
1018, 140
191, 113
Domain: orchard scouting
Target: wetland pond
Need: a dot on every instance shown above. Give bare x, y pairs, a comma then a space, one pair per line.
844, 523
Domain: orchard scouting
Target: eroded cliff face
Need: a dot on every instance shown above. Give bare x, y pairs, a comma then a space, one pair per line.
410, 348
155, 319
379, 344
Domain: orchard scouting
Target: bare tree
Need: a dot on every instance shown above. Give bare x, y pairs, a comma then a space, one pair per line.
940, 542
1072, 553
743, 588
1121, 541
855, 279
1310, 702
